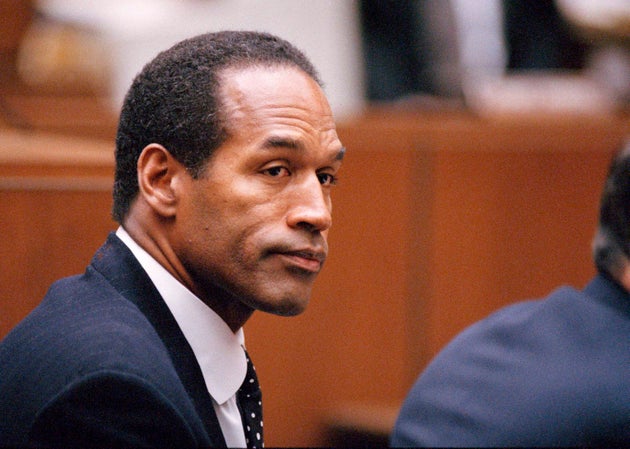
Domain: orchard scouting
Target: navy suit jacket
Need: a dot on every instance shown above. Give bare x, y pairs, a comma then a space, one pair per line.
553, 372
102, 362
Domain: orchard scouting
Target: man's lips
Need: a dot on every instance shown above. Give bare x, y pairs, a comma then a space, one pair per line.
305, 259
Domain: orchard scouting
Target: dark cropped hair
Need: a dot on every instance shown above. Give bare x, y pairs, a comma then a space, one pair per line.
611, 246
175, 101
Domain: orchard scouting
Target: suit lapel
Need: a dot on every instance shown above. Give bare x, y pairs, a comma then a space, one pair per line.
117, 263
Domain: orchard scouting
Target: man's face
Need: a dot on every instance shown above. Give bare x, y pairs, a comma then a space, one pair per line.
255, 224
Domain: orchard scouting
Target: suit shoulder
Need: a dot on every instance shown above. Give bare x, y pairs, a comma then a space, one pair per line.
82, 331
82, 325
499, 381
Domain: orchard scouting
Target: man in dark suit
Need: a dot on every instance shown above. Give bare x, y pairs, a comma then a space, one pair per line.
551, 372
226, 153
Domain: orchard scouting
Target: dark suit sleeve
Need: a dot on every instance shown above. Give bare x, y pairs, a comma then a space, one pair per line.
111, 410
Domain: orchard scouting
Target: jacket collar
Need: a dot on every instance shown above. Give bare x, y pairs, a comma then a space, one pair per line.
605, 290
119, 266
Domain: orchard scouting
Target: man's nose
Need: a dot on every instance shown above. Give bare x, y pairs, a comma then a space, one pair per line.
311, 207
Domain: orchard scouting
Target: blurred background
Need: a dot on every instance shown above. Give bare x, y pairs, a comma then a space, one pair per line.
432, 52
479, 134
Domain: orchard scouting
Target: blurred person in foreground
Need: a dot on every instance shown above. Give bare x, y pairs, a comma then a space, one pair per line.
550, 372
226, 154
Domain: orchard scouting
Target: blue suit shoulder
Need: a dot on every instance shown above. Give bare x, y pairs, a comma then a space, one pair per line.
83, 317
81, 341
545, 372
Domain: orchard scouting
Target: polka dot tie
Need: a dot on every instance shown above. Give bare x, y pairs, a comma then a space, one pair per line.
250, 402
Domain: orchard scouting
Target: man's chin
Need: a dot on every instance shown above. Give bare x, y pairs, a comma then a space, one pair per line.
283, 307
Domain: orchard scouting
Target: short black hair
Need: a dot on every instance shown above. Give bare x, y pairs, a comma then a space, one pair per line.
174, 101
611, 247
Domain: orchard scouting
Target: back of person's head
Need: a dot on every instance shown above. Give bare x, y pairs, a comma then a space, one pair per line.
611, 246
175, 101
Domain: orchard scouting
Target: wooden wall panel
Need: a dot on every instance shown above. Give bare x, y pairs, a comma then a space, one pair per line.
55, 197
46, 235
438, 220
510, 226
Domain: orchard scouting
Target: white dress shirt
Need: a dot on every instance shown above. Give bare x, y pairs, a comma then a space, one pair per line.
218, 350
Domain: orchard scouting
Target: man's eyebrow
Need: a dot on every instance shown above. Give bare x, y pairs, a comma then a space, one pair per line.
283, 142
294, 144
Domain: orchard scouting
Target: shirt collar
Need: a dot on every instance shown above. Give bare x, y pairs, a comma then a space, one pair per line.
218, 350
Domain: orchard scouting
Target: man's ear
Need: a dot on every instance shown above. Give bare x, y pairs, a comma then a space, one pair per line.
158, 173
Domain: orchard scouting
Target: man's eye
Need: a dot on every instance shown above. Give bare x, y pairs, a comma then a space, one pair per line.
277, 171
326, 179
